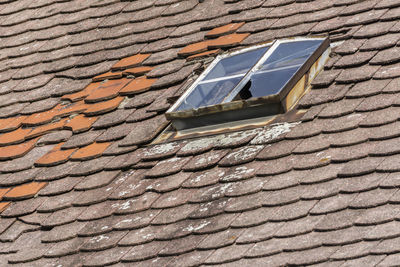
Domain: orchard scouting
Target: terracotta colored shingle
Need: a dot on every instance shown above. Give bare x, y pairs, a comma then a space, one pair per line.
55, 156
24, 191
15, 151
14, 137
138, 85
91, 151
206, 54
103, 107
107, 75
80, 123
107, 90
193, 49
41, 130
226, 29
228, 40
82, 94
137, 70
130, 62
10, 124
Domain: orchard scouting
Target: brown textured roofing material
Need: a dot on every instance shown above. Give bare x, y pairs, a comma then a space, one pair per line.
84, 86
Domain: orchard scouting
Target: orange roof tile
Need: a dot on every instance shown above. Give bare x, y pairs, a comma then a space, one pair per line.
102, 107
14, 137
65, 110
107, 75
15, 151
24, 191
40, 118
55, 156
138, 85
205, 54
130, 62
194, 49
10, 124
91, 151
226, 29
228, 40
82, 94
80, 123
137, 70
107, 90
58, 111
41, 130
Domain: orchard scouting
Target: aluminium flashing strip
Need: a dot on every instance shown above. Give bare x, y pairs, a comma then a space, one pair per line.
267, 105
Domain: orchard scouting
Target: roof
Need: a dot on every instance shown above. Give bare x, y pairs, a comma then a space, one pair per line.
80, 184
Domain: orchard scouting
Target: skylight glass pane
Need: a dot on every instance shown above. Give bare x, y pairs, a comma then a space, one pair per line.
207, 94
280, 67
270, 82
290, 54
237, 64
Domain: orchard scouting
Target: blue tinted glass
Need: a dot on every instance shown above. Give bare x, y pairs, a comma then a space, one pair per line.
237, 64
206, 94
271, 82
290, 54
280, 67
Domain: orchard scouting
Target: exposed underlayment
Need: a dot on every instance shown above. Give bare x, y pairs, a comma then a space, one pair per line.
84, 86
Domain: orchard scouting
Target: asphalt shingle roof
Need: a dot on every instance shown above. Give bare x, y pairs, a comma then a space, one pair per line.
84, 86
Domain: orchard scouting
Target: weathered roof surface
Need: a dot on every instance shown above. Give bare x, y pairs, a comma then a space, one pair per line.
80, 186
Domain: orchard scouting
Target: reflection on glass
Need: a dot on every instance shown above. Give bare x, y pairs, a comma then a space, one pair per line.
280, 67
237, 64
290, 54
206, 94
270, 82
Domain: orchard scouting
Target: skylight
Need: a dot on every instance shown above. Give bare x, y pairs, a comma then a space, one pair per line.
258, 81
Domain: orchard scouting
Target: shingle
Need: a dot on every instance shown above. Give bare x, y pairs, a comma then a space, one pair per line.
360, 167
380, 42
64, 232
106, 257
386, 246
372, 198
326, 78
373, 30
386, 72
64, 248
378, 215
145, 251
95, 212
63, 216
373, 259
145, 132
360, 74
299, 187
137, 204
356, 59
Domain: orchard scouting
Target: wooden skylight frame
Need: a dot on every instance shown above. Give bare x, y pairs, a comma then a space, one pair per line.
232, 108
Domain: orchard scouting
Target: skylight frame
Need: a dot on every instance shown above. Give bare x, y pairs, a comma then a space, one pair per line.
208, 70
261, 61
233, 109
